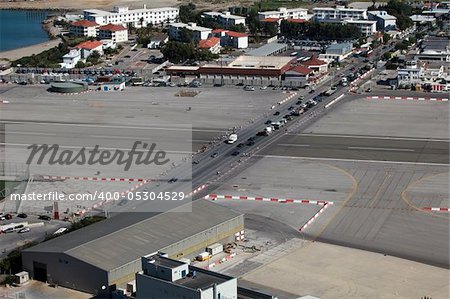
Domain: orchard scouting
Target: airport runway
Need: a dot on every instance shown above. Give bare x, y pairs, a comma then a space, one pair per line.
371, 148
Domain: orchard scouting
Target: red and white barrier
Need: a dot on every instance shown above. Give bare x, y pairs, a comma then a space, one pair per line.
239, 236
287, 98
435, 209
407, 98
4, 102
50, 177
315, 216
196, 190
269, 199
223, 260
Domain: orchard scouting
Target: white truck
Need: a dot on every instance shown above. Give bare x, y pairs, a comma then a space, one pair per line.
268, 130
232, 138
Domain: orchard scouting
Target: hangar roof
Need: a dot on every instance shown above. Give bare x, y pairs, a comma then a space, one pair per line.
124, 238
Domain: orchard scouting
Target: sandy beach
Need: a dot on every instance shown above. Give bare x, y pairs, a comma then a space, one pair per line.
27, 51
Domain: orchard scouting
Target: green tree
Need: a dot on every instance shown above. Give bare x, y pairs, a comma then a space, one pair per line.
187, 13
80, 65
186, 35
94, 58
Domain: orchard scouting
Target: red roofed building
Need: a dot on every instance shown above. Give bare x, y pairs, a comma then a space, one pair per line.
271, 20
212, 44
297, 75
88, 47
296, 20
237, 40
84, 28
116, 33
316, 65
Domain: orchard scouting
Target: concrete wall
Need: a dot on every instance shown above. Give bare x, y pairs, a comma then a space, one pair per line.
67, 271
154, 288
227, 289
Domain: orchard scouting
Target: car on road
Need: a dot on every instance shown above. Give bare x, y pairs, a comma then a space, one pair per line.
268, 122
235, 153
303, 105
263, 87
172, 180
44, 217
299, 102
250, 143
251, 139
291, 108
277, 113
195, 162
312, 91
240, 145
214, 155
23, 230
22, 215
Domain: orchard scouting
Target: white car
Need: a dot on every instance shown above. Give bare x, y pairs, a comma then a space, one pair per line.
23, 230
263, 87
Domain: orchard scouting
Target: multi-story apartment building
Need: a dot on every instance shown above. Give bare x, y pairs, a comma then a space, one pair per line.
225, 19
284, 13
135, 17
367, 27
339, 13
384, 20
237, 40
84, 28
116, 33
198, 32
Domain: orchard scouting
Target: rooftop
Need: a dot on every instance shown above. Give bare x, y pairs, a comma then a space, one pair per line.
112, 27
266, 62
201, 281
100, 12
270, 20
208, 43
301, 69
84, 23
339, 46
107, 244
267, 49
89, 45
223, 15
314, 62
190, 26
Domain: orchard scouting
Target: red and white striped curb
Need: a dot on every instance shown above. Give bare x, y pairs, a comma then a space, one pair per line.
196, 190
434, 209
222, 260
270, 199
354, 85
287, 98
407, 98
315, 216
50, 177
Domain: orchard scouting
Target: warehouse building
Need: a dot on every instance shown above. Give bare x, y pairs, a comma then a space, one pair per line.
105, 256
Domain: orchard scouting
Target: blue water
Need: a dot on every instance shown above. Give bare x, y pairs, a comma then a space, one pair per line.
21, 28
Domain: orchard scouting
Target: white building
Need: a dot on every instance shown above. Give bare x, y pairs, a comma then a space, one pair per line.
116, 33
84, 28
198, 32
134, 17
156, 40
384, 20
339, 13
337, 52
367, 27
237, 40
167, 278
225, 19
284, 13
88, 47
71, 59
211, 44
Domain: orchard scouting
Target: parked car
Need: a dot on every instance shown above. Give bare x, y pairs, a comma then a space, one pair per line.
22, 215
214, 155
277, 113
235, 153
172, 180
23, 230
44, 217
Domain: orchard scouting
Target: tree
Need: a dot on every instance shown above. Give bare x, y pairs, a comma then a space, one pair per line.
186, 35
177, 52
187, 13
93, 58
386, 38
269, 28
80, 65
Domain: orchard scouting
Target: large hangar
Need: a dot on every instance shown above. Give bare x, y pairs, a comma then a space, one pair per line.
106, 255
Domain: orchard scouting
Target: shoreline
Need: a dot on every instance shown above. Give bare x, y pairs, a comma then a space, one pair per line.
14, 54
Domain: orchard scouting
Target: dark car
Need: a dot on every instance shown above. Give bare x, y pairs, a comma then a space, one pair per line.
312, 91
298, 103
268, 122
277, 113
250, 143
172, 180
44, 217
214, 155
22, 215
195, 162
240, 145
235, 153
251, 139
291, 108
8, 216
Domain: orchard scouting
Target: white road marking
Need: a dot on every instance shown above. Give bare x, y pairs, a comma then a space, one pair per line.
370, 137
381, 149
115, 127
350, 160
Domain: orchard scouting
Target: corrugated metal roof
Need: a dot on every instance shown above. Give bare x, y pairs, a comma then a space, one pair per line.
126, 237
267, 49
